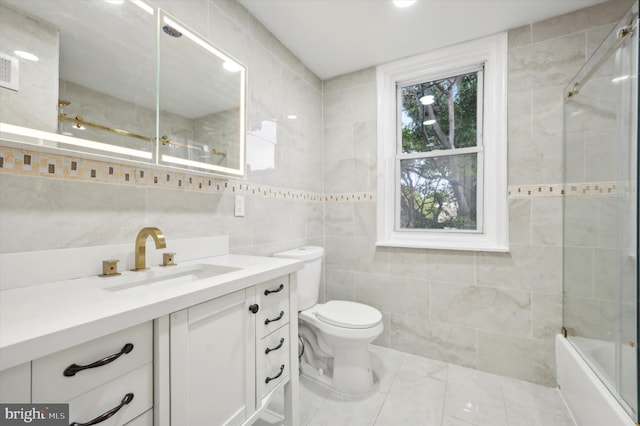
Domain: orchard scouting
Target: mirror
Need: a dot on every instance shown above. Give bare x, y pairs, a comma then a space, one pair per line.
124, 79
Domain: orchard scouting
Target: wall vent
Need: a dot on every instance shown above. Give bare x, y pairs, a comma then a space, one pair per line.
9, 71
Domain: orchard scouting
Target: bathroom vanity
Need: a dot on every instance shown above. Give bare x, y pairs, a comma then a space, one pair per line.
208, 341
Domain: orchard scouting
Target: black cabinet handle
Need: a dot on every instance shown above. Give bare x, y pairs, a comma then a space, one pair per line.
268, 292
74, 368
266, 351
279, 317
268, 379
101, 418
254, 308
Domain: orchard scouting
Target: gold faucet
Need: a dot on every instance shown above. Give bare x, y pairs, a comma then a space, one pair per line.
141, 245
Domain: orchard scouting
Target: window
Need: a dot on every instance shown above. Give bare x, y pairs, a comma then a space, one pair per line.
442, 179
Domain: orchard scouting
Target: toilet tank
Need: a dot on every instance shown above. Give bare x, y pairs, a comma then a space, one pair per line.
309, 276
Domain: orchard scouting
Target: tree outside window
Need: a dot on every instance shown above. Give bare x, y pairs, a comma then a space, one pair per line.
438, 153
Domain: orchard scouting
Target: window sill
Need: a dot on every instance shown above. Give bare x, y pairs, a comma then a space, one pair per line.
471, 244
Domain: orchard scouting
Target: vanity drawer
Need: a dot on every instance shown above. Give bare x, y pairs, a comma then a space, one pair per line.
272, 374
271, 317
271, 347
102, 399
144, 420
49, 384
273, 291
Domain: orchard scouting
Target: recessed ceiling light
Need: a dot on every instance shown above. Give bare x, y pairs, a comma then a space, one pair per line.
403, 3
427, 100
26, 55
429, 122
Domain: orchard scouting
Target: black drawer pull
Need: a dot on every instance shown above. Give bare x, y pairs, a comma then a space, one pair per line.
74, 368
268, 379
266, 351
101, 418
268, 292
278, 318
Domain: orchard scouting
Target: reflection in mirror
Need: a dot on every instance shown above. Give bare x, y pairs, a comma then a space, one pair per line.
106, 90
96, 84
201, 101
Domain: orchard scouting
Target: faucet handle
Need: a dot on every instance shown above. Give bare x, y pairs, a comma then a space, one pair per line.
110, 268
168, 259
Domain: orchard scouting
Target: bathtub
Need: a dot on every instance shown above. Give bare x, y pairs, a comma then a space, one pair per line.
588, 399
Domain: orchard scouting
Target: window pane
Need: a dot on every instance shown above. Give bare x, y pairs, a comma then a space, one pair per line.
439, 192
440, 114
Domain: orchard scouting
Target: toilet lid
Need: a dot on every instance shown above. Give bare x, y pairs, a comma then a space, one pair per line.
348, 314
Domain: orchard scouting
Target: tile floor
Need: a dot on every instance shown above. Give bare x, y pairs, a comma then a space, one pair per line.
411, 390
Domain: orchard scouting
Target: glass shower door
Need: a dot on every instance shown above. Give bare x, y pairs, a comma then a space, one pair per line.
600, 215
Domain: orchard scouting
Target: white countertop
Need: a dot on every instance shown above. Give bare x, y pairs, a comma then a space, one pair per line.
38, 320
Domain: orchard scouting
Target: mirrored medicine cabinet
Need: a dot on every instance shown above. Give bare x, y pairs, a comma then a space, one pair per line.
121, 79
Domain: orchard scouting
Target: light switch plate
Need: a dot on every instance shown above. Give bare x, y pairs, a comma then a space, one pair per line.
238, 210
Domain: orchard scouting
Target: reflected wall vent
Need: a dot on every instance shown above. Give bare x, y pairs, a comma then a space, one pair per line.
9, 72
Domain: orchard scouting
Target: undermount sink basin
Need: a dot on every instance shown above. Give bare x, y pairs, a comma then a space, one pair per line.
169, 275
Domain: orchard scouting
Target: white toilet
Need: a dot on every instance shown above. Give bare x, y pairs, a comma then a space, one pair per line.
336, 334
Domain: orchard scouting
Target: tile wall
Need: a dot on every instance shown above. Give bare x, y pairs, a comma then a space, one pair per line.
495, 312
60, 201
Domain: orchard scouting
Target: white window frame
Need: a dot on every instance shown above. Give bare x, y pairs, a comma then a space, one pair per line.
449, 61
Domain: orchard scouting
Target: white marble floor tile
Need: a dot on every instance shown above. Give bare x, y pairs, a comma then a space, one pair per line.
414, 399
410, 390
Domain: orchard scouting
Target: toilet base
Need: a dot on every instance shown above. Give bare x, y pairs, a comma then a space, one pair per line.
352, 373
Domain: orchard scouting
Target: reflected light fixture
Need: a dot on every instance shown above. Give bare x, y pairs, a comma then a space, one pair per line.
292, 116
231, 66
429, 122
620, 78
427, 100
115, 1
26, 55
403, 3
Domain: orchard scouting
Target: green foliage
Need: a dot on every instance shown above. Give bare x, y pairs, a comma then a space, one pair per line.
440, 192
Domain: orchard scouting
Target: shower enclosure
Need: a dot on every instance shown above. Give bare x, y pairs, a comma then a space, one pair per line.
600, 295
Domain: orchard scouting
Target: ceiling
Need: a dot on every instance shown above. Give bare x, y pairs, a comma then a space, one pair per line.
334, 37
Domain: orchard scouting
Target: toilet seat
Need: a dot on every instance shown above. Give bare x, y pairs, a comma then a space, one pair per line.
341, 313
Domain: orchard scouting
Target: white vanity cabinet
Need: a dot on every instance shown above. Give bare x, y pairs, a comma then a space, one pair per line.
99, 376
212, 361
228, 353
15, 384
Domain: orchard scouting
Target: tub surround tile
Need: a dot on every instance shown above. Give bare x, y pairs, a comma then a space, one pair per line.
520, 221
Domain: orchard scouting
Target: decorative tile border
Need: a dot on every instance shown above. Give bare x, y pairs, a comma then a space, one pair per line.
589, 189
25, 162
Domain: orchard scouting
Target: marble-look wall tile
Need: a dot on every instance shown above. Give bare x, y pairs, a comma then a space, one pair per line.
355, 254
520, 36
547, 63
533, 268
520, 221
546, 220
578, 271
440, 341
546, 315
474, 306
340, 285
394, 295
525, 359
581, 20
34, 105
44, 214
